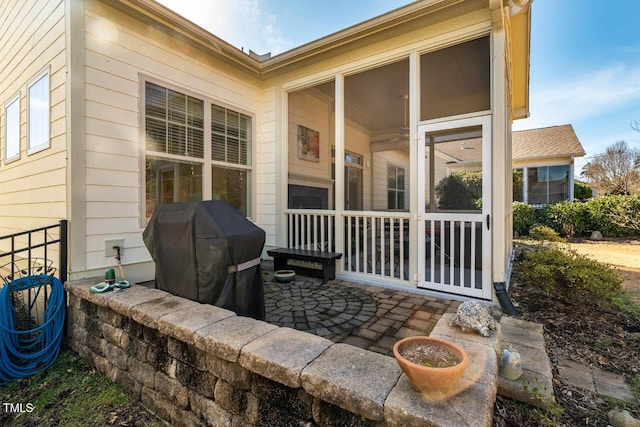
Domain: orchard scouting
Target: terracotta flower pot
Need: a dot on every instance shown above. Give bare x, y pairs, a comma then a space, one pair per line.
425, 378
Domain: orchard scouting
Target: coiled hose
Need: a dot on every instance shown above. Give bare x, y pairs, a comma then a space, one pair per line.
27, 352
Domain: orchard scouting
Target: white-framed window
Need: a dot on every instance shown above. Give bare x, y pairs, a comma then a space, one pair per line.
352, 179
548, 184
395, 187
12, 129
177, 162
38, 113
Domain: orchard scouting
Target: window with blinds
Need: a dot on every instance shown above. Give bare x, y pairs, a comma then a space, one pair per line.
230, 136
174, 122
177, 169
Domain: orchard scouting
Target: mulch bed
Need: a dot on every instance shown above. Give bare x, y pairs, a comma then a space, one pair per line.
594, 336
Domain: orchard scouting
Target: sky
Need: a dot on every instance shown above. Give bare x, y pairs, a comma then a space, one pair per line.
585, 54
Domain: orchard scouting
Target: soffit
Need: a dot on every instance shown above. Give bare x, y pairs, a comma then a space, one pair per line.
520, 57
404, 19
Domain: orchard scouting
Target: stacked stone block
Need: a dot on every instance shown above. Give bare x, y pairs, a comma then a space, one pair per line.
195, 364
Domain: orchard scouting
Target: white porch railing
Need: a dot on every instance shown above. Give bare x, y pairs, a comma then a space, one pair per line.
311, 229
377, 243
453, 253
374, 243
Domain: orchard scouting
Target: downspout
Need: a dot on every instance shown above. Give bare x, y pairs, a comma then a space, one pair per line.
503, 298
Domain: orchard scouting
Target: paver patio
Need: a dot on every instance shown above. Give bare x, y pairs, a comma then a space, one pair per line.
365, 316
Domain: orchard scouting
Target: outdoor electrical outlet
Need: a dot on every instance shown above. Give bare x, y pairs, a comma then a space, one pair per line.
109, 249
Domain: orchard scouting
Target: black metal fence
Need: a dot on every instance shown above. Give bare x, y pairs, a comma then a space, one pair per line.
28, 252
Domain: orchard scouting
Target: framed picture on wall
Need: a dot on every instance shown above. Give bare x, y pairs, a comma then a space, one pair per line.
308, 144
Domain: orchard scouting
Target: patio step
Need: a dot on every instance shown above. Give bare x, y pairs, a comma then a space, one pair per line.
535, 386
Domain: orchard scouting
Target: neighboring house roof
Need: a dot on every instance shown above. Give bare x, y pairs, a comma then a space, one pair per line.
468, 150
555, 141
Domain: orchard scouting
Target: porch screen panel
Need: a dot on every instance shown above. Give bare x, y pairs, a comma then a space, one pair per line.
311, 135
453, 165
453, 187
377, 129
455, 80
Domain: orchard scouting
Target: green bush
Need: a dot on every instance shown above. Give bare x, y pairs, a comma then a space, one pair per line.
615, 215
581, 191
573, 278
523, 218
454, 193
545, 234
566, 218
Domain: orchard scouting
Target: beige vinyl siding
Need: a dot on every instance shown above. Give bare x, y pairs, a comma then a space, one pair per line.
380, 185
32, 40
120, 52
265, 170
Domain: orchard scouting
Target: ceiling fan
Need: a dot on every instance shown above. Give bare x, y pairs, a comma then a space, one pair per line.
404, 130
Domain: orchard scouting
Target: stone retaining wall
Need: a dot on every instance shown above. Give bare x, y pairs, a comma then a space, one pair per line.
196, 364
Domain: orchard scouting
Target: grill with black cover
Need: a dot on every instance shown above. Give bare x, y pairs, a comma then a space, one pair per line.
208, 252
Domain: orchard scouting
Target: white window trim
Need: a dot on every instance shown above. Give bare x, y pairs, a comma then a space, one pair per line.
397, 190
207, 162
15, 157
47, 144
525, 188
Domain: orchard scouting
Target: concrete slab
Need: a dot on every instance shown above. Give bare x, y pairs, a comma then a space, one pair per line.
613, 385
531, 388
576, 374
521, 333
535, 386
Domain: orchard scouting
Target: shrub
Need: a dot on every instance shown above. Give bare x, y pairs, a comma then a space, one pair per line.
453, 193
615, 215
523, 218
545, 234
573, 278
581, 191
567, 218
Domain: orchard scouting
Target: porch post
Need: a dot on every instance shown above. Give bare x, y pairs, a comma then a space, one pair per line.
525, 184
571, 195
415, 208
501, 125
339, 180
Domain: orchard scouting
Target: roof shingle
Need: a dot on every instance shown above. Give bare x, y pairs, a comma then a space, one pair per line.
555, 141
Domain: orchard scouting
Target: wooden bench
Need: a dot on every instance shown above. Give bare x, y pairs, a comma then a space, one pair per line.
281, 257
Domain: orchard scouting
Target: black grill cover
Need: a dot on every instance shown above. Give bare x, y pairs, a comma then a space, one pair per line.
196, 247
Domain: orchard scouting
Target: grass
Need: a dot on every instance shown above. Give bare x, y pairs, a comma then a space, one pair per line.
71, 392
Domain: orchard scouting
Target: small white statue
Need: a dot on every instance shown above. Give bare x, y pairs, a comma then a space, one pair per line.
510, 363
475, 316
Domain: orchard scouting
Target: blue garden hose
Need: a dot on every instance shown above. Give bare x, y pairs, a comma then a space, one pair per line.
27, 352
